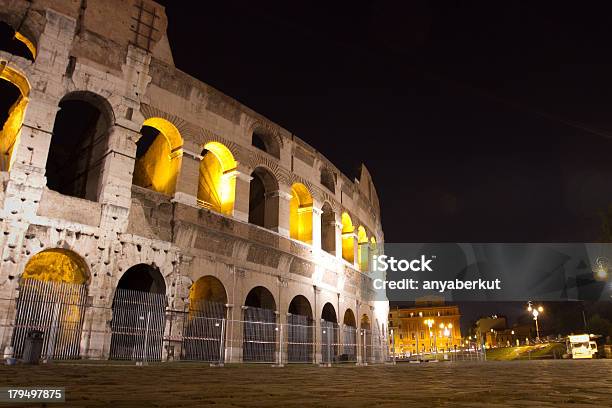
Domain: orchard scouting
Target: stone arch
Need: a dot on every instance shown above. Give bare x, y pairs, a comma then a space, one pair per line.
329, 333
158, 156
143, 278
300, 330
208, 288
366, 338
349, 318
52, 299
328, 179
349, 339
138, 314
14, 97
260, 297
57, 265
300, 306
78, 149
16, 43
300, 213
263, 198
217, 180
203, 331
263, 140
328, 229
259, 329
348, 241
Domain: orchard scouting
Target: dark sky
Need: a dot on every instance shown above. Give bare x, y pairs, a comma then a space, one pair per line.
478, 121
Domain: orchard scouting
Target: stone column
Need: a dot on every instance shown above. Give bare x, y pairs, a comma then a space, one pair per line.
338, 231
188, 178
316, 228
243, 189
359, 336
317, 326
282, 211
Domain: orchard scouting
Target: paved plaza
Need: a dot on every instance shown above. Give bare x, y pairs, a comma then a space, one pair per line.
550, 383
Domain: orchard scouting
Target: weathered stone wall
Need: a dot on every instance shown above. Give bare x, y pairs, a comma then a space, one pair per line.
94, 50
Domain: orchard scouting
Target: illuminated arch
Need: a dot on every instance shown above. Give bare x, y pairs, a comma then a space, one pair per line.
217, 181
14, 97
300, 213
16, 43
348, 239
208, 288
56, 265
158, 156
362, 248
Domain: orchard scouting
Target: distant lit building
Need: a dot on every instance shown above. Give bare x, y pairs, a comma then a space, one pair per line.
493, 331
426, 327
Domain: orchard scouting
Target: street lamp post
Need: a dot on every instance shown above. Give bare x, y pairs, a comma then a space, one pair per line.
430, 323
535, 312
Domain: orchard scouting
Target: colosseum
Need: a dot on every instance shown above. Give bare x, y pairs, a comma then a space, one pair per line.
147, 216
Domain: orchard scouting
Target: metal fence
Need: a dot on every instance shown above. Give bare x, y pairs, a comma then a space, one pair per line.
259, 335
54, 308
300, 339
142, 328
137, 325
204, 332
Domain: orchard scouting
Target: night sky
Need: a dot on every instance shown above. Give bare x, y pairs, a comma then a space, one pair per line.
480, 122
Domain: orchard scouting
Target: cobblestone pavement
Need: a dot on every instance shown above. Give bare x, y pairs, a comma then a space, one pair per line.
550, 383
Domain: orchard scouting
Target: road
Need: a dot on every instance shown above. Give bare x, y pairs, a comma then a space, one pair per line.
545, 383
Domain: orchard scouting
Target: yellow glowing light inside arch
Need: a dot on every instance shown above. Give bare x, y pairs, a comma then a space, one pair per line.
217, 183
300, 213
21, 38
56, 265
10, 130
158, 168
348, 241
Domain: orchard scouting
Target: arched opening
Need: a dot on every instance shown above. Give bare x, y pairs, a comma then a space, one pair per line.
52, 299
300, 213
328, 229
328, 179
366, 339
349, 337
203, 334
300, 329
16, 43
363, 249
158, 156
217, 182
329, 334
138, 319
263, 199
259, 336
348, 238
266, 142
79, 145
14, 92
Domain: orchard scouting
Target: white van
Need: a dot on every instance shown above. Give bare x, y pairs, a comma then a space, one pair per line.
581, 346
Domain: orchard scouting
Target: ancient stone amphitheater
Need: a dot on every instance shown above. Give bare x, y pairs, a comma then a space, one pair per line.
147, 216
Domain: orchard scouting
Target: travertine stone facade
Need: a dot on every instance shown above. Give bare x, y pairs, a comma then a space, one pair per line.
93, 48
